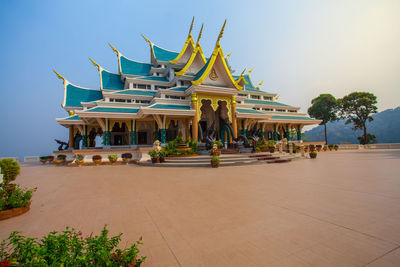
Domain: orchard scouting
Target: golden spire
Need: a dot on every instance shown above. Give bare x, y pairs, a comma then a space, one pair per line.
147, 40
59, 76
260, 83
191, 27
114, 49
221, 33
250, 70
95, 64
228, 54
201, 30
276, 97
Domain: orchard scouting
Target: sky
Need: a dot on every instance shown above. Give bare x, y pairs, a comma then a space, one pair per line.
300, 49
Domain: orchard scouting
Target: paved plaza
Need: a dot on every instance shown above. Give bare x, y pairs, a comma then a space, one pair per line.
342, 209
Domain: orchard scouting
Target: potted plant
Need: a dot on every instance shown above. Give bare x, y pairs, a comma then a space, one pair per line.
79, 159
50, 159
330, 147
218, 143
43, 159
312, 148
325, 148
215, 162
319, 147
154, 156
313, 154
112, 158
306, 149
163, 154
96, 159
336, 147
126, 157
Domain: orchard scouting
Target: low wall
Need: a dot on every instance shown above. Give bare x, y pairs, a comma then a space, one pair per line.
370, 146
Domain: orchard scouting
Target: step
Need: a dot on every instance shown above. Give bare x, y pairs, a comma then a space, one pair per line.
208, 159
199, 164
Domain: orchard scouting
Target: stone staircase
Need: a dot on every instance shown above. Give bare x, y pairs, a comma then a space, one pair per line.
235, 159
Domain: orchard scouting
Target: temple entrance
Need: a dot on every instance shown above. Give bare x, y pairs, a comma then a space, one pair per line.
207, 116
119, 134
145, 133
142, 138
173, 130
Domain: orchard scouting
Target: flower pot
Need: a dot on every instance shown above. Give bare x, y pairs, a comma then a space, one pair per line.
215, 164
155, 160
126, 160
313, 155
112, 161
59, 161
43, 161
5, 214
97, 161
336, 148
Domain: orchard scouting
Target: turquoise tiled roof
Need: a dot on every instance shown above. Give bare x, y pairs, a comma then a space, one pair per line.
73, 118
241, 110
181, 89
163, 54
166, 106
154, 78
249, 86
136, 92
133, 67
291, 117
203, 69
264, 102
113, 110
75, 95
111, 81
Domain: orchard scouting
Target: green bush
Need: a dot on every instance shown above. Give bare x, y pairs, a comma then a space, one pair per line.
271, 142
79, 157
62, 157
112, 158
153, 154
69, 248
10, 169
12, 196
330, 146
218, 143
215, 159
313, 154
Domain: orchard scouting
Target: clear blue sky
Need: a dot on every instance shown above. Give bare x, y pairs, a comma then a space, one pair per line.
299, 48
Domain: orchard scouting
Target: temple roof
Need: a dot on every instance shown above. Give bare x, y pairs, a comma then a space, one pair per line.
113, 110
136, 92
162, 54
111, 81
167, 106
74, 95
264, 102
249, 84
280, 117
154, 78
132, 67
181, 89
242, 110
73, 118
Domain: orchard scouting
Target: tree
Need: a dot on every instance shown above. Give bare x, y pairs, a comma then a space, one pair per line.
324, 108
371, 139
357, 108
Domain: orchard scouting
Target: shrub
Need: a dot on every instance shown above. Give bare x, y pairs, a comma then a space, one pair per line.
313, 154
330, 146
96, 157
215, 159
10, 169
153, 154
112, 158
271, 142
43, 158
79, 157
50, 158
126, 156
219, 143
61, 157
69, 248
12, 196
336, 147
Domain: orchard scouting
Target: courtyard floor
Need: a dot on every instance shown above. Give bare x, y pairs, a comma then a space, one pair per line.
342, 209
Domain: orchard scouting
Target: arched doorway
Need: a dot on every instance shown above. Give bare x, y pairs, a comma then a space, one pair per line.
119, 134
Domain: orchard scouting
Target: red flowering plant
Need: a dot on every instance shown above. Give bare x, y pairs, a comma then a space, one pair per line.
69, 248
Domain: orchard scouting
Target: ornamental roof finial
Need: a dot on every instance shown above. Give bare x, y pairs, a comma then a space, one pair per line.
191, 27
250, 70
59, 76
242, 72
95, 64
228, 54
114, 49
221, 33
147, 40
260, 83
201, 30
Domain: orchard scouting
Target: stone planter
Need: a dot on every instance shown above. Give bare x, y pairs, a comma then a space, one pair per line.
215, 164
5, 214
59, 161
155, 160
43, 161
313, 155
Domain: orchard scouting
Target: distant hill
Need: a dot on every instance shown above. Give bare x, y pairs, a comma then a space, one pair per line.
385, 126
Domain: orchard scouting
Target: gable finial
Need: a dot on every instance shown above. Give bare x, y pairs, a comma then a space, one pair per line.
228, 54
114, 49
59, 76
147, 40
95, 64
250, 70
243, 72
221, 33
201, 30
260, 83
191, 27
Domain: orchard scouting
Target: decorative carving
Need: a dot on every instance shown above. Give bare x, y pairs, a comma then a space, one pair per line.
213, 75
214, 104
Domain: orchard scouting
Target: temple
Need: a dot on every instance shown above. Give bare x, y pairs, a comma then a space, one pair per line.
180, 93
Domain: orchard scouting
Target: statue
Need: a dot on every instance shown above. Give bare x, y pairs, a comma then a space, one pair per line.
156, 146
77, 139
62, 144
92, 137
